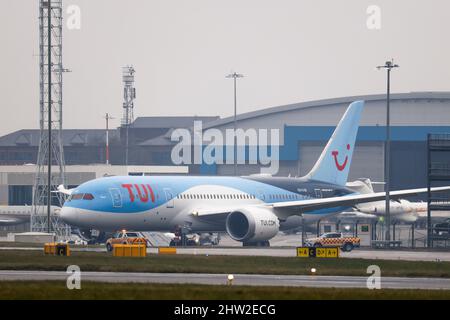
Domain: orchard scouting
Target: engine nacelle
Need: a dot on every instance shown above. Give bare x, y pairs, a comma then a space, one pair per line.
252, 225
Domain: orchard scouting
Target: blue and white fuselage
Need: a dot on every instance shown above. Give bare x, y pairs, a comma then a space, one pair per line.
162, 203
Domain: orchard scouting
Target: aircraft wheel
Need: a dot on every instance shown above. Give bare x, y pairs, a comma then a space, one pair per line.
256, 244
266, 243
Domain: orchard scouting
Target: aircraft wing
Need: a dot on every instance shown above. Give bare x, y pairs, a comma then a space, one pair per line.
356, 214
205, 212
9, 221
301, 206
350, 200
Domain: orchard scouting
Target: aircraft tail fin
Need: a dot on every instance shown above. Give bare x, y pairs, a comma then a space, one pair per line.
334, 163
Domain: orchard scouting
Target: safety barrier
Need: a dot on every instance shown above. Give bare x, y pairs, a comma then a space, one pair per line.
167, 250
129, 250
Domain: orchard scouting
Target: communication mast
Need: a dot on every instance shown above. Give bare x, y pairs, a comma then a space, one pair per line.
129, 94
51, 153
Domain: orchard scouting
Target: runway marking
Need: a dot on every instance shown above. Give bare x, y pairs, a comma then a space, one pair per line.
240, 279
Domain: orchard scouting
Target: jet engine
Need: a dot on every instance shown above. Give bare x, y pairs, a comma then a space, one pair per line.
255, 225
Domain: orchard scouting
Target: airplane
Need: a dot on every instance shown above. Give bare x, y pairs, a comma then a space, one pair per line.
250, 209
17, 215
401, 210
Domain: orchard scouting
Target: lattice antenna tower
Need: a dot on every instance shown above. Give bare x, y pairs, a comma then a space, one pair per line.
51, 154
129, 94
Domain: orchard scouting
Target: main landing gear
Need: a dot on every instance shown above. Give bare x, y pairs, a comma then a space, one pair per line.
256, 244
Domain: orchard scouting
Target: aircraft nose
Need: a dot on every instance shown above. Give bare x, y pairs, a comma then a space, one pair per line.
69, 215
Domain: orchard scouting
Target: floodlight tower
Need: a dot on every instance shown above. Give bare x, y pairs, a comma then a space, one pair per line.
235, 76
129, 94
388, 66
50, 153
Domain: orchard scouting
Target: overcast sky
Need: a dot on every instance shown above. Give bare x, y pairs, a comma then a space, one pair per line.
289, 51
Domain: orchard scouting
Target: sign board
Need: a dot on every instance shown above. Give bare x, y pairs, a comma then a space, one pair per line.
307, 252
303, 252
365, 228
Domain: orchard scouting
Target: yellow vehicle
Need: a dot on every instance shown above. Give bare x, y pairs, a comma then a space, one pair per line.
125, 237
334, 239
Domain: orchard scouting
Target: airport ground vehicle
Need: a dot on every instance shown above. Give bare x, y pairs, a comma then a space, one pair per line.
442, 228
125, 237
334, 239
195, 239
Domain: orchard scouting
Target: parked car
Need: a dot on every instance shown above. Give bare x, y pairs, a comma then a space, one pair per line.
334, 239
125, 237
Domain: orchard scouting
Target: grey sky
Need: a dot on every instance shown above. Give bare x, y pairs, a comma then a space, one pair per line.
289, 51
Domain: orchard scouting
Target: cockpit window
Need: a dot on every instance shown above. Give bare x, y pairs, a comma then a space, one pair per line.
88, 196
81, 196
77, 196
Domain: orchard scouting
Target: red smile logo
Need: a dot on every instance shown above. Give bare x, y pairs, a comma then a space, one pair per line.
339, 166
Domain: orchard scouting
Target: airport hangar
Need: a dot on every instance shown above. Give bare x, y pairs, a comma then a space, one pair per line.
304, 129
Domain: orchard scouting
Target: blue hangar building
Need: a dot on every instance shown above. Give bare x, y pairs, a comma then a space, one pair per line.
304, 129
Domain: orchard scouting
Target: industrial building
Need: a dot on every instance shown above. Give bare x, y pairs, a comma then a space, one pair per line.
304, 129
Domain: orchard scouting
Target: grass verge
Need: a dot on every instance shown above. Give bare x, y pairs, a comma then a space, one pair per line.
93, 291
99, 261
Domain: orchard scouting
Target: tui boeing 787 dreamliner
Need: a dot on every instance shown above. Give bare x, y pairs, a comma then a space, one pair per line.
250, 209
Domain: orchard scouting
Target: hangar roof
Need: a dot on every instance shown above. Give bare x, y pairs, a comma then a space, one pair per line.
70, 137
169, 122
425, 95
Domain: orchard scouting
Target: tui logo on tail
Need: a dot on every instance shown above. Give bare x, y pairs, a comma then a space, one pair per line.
333, 165
339, 166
